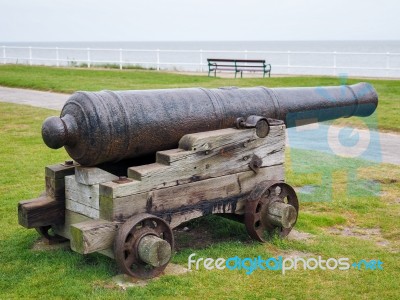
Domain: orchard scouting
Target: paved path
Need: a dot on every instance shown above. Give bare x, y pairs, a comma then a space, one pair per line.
33, 98
370, 145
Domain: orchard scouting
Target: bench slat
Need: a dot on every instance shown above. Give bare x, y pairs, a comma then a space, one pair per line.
237, 60
224, 64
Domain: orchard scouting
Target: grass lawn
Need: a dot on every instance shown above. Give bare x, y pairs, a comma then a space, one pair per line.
74, 79
360, 222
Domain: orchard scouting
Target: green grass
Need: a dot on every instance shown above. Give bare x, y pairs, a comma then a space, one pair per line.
363, 195
62, 274
69, 80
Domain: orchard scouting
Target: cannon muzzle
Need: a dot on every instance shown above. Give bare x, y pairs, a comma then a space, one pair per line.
106, 126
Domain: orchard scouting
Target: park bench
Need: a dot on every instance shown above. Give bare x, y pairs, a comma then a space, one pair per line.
238, 66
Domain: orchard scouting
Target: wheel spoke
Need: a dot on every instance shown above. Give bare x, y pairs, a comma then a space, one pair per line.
127, 247
257, 217
283, 194
148, 223
263, 201
261, 232
160, 230
130, 260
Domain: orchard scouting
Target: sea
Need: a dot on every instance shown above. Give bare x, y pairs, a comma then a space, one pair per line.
353, 58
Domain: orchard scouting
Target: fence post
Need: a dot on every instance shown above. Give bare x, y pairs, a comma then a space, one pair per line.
88, 57
4, 55
201, 60
158, 59
57, 58
30, 56
288, 62
387, 63
334, 63
120, 59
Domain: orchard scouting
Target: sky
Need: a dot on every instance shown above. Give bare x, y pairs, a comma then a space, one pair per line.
198, 20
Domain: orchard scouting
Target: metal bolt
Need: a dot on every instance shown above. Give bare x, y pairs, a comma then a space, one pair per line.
245, 157
262, 128
207, 152
122, 179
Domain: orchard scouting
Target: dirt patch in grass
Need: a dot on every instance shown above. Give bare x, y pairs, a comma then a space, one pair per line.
374, 234
296, 235
43, 245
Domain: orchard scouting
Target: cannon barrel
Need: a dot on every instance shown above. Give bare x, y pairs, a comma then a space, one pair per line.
106, 126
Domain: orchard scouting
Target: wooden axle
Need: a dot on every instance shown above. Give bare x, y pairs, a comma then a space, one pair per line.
282, 214
154, 251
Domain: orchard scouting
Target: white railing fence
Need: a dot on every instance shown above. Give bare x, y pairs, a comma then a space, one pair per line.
283, 62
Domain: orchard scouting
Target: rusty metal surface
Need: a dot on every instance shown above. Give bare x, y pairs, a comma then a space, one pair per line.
255, 163
127, 242
122, 180
256, 210
111, 126
260, 123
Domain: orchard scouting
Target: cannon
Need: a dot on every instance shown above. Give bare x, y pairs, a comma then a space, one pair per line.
144, 162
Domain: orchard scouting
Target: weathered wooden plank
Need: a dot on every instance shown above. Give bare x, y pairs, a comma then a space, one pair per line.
108, 252
249, 180
70, 218
121, 208
192, 193
91, 176
181, 217
59, 171
54, 179
75, 218
55, 188
187, 195
87, 195
39, 212
228, 155
226, 143
92, 236
82, 209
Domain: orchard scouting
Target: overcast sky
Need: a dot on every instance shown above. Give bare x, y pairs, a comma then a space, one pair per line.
198, 20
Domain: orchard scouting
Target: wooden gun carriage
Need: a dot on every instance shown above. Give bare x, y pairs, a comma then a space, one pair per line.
236, 170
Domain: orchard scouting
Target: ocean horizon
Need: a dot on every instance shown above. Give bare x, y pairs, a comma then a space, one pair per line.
379, 58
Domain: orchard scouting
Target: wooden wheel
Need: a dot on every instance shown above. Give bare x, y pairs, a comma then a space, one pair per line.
143, 246
272, 208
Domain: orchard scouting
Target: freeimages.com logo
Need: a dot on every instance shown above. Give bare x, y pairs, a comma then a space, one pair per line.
249, 265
